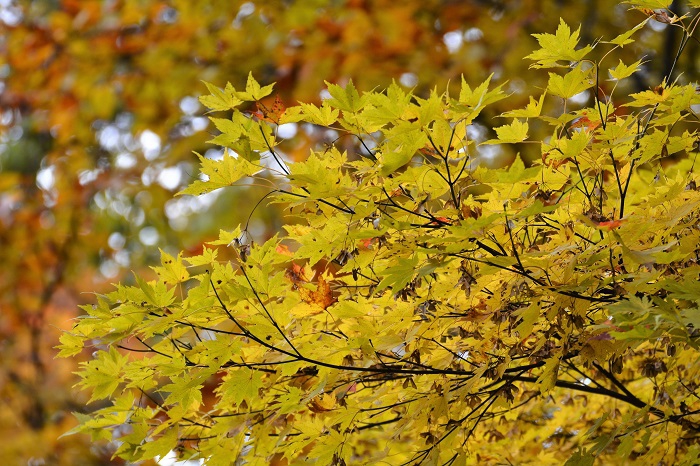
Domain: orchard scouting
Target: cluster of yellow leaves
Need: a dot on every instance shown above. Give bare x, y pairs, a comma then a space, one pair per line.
545, 312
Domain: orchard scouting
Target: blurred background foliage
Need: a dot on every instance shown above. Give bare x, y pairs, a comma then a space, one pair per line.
99, 117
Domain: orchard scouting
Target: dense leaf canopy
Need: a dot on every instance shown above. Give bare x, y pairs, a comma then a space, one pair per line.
99, 119
420, 307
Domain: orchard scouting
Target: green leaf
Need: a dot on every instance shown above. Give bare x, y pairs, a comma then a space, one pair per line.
346, 99
403, 141
228, 238
653, 4
571, 84
398, 276
624, 449
472, 101
631, 311
323, 116
512, 133
253, 91
160, 446
219, 99
240, 385
71, 344
173, 271
549, 375
558, 47
575, 145
514, 174
529, 316
581, 458
292, 115
387, 108
220, 173
533, 109
157, 294
317, 244
624, 38
185, 390
649, 98
231, 131
103, 374
322, 173
430, 109
480, 96
622, 71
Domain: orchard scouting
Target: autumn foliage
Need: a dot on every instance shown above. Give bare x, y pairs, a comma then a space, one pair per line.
419, 307
99, 120
98, 104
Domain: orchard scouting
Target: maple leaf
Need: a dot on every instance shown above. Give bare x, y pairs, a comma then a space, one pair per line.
515, 132
610, 224
321, 296
346, 99
533, 109
622, 71
272, 114
413, 296
220, 173
253, 91
558, 47
219, 99
625, 38
572, 83
325, 115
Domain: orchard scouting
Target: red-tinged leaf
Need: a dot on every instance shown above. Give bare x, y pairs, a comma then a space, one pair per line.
271, 114
296, 274
585, 122
322, 296
284, 250
366, 243
440, 221
611, 224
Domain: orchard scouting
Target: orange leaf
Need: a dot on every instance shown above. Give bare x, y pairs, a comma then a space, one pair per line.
322, 297
271, 114
441, 220
610, 225
284, 250
366, 243
296, 274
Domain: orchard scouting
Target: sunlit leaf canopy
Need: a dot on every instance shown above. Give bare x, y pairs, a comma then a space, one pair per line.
100, 118
419, 306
